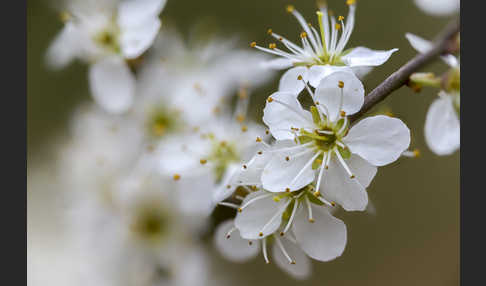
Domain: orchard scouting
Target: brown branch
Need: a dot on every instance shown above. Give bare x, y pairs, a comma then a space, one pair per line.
443, 45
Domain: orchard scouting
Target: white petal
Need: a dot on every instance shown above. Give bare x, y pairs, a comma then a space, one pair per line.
317, 73
283, 113
289, 81
361, 71
324, 239
280, 174
251, 175
329, 94
302, 267
277, 64
362, 56
379, 139
64, 48
350, 193
442, 127
133, 12
112, 84
136, 39
263, 215
194, 193
422, 45
222, 192
234, 248
438, 7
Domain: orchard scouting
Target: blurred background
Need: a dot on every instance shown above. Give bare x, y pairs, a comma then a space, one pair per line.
414, 237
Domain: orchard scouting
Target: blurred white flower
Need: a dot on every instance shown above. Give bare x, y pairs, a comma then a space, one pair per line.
197, 80
442, 123
106, 34
439, 7
321, 52
322, 146
206, 162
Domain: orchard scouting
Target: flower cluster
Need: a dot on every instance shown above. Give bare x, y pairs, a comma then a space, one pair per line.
168, 140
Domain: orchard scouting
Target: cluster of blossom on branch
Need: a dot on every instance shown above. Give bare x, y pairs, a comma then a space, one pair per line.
163, 144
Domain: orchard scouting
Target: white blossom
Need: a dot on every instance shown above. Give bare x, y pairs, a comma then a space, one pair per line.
106, 34
322, 147
322, 52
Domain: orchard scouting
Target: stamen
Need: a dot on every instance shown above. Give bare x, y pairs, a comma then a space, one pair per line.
293, 147
282, 248
309, 209
341, 160
264, 248
291, 219
321, 171
240, 209
230, 205
343, 128
203, 161
228, 234
412, 154
253, 44
176, 177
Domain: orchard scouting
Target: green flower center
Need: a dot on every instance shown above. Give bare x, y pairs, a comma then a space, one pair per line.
161, 122
151, 224
222, 154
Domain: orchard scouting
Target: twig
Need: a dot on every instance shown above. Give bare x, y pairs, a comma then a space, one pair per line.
443, 45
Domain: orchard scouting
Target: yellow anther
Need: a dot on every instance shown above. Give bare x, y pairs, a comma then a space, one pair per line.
338, 26
340, 84
270, 99
203, 161
258, 139
342, 113
299, 77
282, 233
293, 262
333, 204
317, 102
260, 234
276, 199
303, 35
353, 176
326, 167
309, 24
340, 18
240, 118
287, 190
280, 39
272, 46
317, 193
389, 114
267, 131
290, 8
350, 2
260, 152
222, 143
240, 210
65, 16
176, 177
253, 44
245, 167
416, 153
228, 186
311, 220
244, 128
269, 31
287, 158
